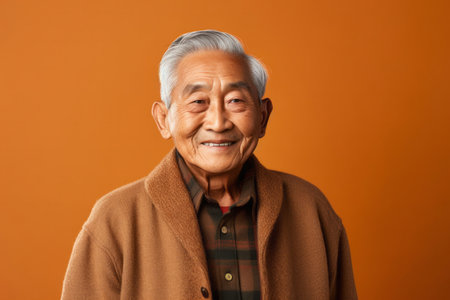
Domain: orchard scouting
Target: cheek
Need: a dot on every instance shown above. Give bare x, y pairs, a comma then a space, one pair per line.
185, 124
248, 125
250, 131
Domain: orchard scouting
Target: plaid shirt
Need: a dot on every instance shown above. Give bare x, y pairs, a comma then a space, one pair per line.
228, 238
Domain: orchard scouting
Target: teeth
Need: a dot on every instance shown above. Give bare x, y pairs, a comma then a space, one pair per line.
217, 145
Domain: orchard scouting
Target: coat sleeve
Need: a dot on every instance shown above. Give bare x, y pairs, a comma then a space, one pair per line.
92, 272
343, 284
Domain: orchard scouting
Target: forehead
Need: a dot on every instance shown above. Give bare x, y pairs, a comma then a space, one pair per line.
210, 64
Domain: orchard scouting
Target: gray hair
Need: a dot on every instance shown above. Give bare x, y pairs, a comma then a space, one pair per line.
205, 40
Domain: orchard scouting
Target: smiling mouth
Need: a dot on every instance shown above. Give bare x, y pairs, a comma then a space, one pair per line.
218, 144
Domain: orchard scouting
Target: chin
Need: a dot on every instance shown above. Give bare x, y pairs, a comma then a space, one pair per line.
215, 167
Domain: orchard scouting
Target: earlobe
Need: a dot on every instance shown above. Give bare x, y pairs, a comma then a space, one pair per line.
160, 114
266, 109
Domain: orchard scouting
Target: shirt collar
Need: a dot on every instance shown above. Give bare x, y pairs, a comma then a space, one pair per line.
246, 179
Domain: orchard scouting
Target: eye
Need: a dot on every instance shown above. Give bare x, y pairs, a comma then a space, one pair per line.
236, 100
197, 105
198, 101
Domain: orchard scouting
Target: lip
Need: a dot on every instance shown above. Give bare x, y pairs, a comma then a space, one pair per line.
218, 144
218, 141
224, 144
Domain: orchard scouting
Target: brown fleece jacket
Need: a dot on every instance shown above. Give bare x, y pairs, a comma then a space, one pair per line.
142, 241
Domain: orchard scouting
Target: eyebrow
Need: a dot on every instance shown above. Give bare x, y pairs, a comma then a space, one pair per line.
238, 85
192, 88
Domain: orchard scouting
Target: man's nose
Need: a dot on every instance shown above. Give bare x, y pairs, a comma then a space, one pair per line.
217, 118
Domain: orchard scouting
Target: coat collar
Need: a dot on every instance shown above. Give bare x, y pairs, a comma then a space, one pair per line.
270, 197
171, 198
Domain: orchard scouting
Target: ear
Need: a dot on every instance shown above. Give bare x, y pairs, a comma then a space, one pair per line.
160, 114
266, 109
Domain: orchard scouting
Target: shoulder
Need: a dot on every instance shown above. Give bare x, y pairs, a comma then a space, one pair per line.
112, 212
299, 184
139, 191
123, 208
119, 197
304, 197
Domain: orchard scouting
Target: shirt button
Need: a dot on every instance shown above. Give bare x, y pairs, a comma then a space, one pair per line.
228, 277
224, 229
205, 292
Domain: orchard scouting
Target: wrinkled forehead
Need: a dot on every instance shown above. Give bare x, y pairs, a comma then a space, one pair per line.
213, 61
198, 69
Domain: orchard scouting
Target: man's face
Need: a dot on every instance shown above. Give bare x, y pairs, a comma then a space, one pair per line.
216, 118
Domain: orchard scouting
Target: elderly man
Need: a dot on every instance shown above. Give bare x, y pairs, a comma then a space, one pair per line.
210, 222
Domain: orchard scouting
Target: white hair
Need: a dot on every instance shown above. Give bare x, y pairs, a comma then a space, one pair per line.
205, 40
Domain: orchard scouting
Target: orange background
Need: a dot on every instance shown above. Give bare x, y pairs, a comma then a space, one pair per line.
361, 109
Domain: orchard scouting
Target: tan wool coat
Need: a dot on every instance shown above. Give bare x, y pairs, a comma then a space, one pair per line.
142, 241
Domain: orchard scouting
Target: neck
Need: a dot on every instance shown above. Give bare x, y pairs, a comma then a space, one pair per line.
224, 187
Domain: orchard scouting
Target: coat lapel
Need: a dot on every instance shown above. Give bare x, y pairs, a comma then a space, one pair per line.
270, 198
170, 196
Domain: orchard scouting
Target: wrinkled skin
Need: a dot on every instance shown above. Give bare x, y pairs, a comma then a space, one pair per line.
215, 118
